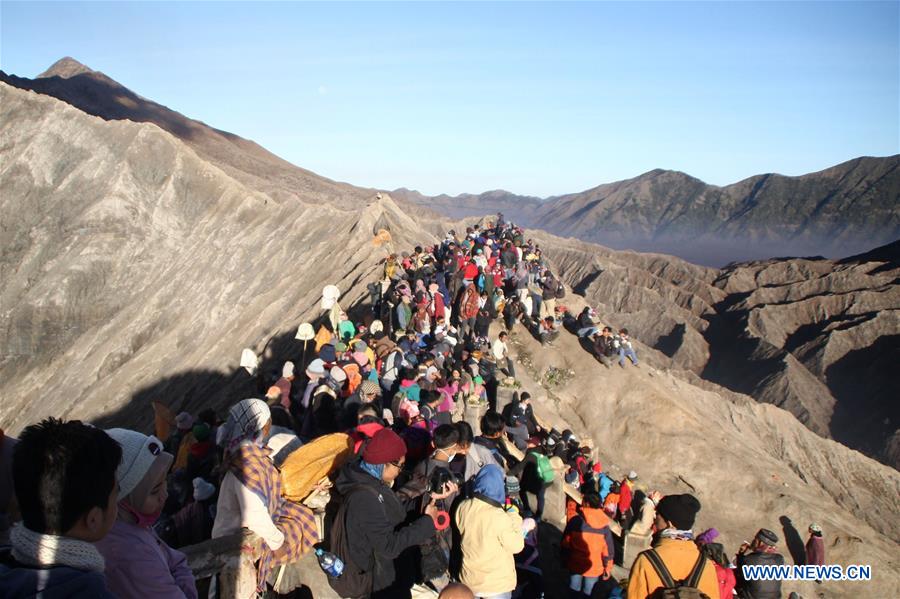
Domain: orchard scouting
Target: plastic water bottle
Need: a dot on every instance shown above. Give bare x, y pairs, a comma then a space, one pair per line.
331, 564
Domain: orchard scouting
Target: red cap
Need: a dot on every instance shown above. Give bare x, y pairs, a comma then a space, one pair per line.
385, 446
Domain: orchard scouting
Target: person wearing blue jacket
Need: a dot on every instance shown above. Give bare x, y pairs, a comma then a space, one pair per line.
52, 555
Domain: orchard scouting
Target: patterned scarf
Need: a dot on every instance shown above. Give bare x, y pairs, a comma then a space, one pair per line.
253, 468
678, 535
44, 550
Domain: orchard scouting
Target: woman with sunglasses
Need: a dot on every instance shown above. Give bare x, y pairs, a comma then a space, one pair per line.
138, 563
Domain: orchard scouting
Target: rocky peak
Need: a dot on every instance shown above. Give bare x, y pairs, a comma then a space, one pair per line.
66, 68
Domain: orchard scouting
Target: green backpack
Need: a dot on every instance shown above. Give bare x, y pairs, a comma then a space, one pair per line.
544, 468
672, 589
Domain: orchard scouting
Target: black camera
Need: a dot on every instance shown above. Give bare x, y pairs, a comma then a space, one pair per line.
439, 477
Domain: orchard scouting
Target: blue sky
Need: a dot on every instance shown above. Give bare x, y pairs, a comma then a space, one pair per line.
537, 98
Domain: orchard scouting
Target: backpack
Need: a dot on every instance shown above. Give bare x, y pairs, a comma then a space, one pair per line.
683, 589
356, 580
544, 468
560, 290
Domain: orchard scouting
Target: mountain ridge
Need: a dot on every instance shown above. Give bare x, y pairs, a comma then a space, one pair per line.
837, 211
136, 267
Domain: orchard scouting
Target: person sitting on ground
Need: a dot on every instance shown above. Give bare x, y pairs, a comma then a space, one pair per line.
675, 549
490, 537
251, 492
380, 532
761, 552
626, 350
586, 326
138, 563
52, 555
605, 347
587, 546
547, 330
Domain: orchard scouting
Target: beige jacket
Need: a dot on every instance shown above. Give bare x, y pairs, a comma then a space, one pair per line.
491, 536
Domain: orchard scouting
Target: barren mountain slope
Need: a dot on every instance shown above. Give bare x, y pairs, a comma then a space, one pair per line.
127, 258
815, 337
95, 93
749, 464
835, 212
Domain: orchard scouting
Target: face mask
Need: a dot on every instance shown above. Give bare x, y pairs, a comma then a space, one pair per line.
143, 520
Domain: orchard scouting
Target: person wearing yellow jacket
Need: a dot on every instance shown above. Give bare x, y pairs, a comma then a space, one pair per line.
675, 547
490, 537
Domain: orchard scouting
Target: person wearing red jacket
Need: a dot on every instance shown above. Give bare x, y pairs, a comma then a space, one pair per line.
724, 572
587, 546
470, 271
625, 497
468, 310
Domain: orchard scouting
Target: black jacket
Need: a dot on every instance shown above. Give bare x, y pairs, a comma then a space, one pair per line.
380, 532
758, 589
605, 346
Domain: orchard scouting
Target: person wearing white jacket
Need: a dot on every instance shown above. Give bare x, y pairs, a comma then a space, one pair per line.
238, 506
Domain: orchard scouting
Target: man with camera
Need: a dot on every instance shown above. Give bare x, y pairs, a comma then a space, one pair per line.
432, 478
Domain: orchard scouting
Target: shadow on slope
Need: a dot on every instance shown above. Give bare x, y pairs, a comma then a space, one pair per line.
866, 386
195, 390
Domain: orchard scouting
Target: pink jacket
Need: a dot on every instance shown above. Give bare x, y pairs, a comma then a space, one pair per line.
139, 564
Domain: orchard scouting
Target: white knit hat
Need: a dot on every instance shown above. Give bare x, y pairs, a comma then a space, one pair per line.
288, 370
337, 374
138, 454
317, 367
203, 490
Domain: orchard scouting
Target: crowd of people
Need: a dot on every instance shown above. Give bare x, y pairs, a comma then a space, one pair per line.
429, 498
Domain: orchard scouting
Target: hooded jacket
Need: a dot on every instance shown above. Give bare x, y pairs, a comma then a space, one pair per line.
588, 543
379, 540
491, 536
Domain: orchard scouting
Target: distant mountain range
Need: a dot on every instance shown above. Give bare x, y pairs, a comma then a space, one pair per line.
836, 212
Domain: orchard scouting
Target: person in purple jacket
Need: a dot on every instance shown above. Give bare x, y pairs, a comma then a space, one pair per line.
815, 546
138, 563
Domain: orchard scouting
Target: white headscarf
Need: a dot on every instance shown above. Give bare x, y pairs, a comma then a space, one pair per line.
246, 420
